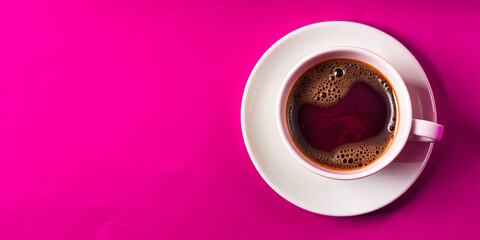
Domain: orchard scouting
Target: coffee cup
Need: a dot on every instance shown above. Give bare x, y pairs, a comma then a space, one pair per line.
330, 165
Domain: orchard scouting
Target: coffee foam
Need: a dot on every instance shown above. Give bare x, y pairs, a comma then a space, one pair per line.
325, 85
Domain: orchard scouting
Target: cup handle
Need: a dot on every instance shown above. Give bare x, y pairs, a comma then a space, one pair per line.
425, 131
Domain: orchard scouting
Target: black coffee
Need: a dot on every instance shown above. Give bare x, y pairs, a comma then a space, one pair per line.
341, 114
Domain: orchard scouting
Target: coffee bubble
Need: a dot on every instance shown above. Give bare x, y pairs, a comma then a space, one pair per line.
338, 73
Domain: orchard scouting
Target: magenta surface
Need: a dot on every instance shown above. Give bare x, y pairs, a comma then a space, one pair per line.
121, 120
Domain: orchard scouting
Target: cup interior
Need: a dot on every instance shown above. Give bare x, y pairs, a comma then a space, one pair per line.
403, 104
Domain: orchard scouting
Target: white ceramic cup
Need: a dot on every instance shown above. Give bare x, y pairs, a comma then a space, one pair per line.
406, 126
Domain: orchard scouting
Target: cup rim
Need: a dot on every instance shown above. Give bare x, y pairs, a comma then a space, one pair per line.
403, 104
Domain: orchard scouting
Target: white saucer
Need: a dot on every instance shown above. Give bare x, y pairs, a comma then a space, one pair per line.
275, 164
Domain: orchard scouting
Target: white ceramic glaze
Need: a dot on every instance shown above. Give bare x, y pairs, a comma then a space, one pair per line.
403, 103
275, 163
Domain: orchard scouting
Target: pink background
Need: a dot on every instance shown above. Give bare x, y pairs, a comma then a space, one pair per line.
121, 120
